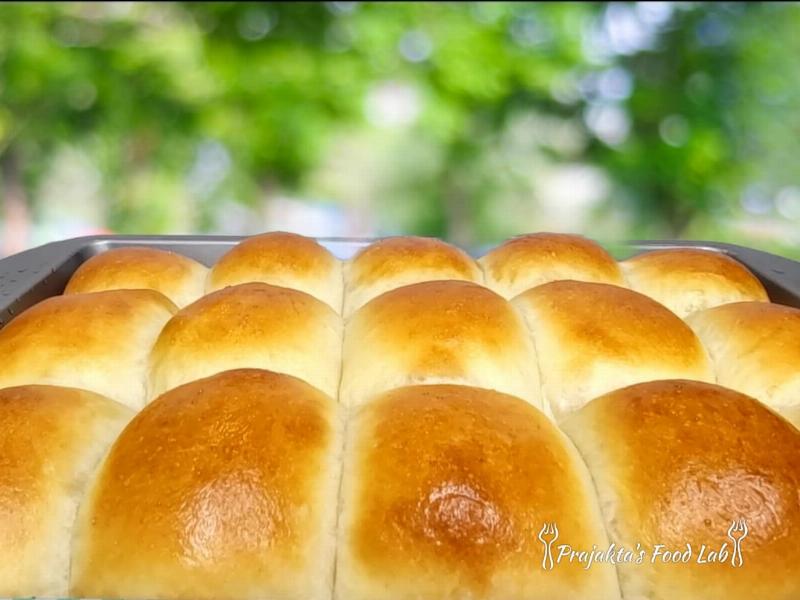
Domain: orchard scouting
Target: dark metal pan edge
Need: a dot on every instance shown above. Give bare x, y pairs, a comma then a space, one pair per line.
33, 275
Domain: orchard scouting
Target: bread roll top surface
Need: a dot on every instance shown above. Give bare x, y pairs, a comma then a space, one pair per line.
282, 259
686, 280
221, 488
251, 325
97, 341
178, 277
397, 261
530, 260
445, 491
680, 462
438, 331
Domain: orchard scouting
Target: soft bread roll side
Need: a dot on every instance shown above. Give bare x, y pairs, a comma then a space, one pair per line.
51, 439
792, 415
755, 349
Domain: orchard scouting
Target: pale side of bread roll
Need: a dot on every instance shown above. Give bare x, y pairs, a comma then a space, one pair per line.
445, 492
792, 415
252, 325
684, 462
178, 277
438, 332
526, 261
686, 280
98, 341
51, 439
283, 259
755, 348
397, 261
224, 488
592, 338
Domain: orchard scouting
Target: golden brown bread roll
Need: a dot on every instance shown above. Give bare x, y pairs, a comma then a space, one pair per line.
445, 491
252, 325
98, 341
283, 259
592, 338
529, 260
224, 488
683, 462
397, 261
438, 332
51, 439
755, 349
179, 278
686, 280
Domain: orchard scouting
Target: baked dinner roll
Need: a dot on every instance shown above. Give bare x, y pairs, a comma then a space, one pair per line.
526, 261
51, 438
592, 338
251, 325
98, 342
397, 261
284, 259
684, 462
445, 491
755, 349
438, 332
179, 278
224, 488
686, 279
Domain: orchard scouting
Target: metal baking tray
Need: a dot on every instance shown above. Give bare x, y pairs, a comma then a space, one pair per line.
31, 276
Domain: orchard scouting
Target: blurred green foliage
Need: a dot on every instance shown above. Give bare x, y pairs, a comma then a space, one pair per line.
686, 115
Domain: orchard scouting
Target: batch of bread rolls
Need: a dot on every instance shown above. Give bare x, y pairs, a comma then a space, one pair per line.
407, 424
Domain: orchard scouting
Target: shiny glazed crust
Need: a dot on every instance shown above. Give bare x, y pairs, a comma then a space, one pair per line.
445, 490
222, 488
677, 462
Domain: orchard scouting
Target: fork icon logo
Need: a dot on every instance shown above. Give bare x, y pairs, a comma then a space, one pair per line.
548, 535
736, 533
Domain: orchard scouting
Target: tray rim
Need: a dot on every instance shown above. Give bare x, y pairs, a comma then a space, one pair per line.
33, 274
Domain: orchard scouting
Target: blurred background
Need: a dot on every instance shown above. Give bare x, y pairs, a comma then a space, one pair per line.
468, 121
